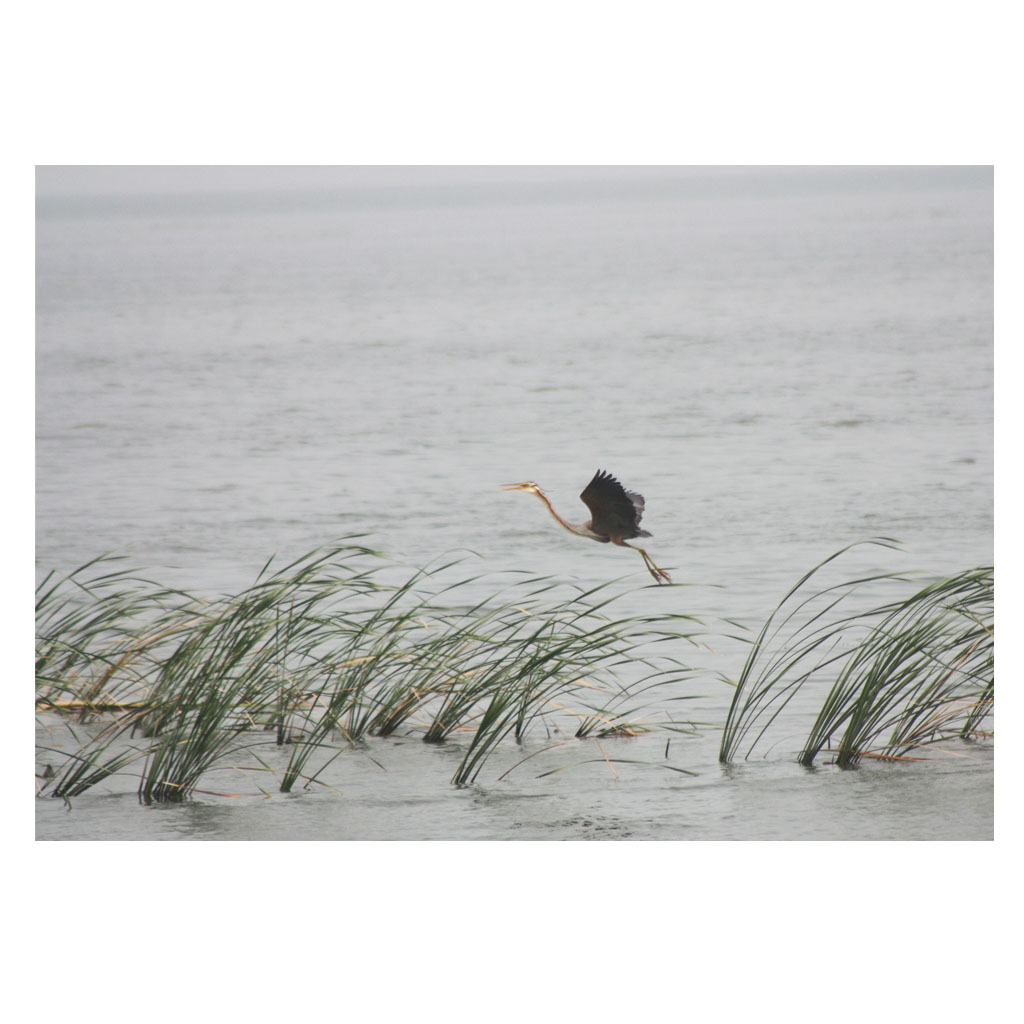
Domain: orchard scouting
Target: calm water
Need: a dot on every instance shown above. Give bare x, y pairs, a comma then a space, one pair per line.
781, 360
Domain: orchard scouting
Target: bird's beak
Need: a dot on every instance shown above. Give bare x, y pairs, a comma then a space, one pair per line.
511, 487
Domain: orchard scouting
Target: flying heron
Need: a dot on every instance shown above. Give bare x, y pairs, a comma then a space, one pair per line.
615, 515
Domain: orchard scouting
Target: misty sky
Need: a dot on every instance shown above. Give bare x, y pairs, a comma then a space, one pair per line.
99, 180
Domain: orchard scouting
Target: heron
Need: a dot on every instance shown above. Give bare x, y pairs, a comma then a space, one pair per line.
615, 515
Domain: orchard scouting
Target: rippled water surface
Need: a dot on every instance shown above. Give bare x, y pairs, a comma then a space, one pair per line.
782, 361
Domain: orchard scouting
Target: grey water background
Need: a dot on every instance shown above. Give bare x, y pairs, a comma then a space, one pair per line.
782, 360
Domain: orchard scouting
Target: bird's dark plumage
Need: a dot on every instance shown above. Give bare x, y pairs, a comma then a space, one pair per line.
615, 512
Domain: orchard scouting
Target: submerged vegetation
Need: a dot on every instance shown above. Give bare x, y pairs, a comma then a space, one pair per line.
315, 657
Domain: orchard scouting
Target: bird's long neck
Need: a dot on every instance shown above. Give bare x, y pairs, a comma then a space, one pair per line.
580, 531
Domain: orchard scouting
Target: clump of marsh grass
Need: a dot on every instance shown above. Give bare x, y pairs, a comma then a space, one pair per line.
924, 672
900, 675
98, 634
488, 670
193, 677
251, 663
322, 653
541, 663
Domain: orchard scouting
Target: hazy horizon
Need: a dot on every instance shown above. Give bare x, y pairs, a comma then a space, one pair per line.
60, 180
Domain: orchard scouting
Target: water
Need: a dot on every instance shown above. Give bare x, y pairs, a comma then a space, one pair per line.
782, 360
400, 790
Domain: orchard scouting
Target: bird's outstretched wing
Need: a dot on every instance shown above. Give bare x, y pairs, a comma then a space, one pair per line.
615, 512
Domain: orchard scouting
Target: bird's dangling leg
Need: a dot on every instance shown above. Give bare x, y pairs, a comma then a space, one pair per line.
659, 574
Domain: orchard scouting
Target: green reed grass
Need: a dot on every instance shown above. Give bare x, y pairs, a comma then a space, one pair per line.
341, 645
196, 675
897, 676
93, 761
322, 653
923, 673
96, 635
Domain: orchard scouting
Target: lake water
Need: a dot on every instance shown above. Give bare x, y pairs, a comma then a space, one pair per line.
782, 360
